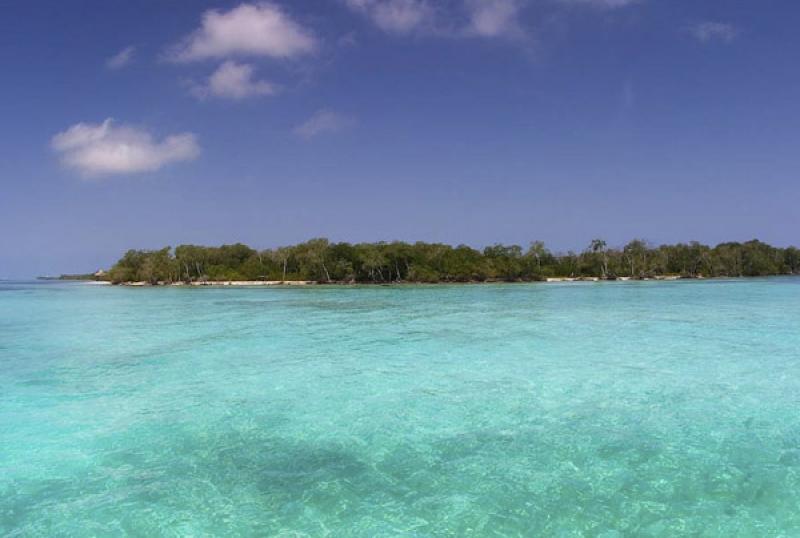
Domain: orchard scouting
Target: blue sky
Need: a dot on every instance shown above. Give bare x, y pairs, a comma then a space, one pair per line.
144, 124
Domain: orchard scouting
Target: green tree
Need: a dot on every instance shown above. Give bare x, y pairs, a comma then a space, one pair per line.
635, 253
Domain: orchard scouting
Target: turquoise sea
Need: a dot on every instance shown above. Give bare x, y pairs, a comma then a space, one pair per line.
580, 409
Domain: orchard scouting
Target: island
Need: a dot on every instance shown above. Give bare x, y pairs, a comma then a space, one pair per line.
97, 276
320, 261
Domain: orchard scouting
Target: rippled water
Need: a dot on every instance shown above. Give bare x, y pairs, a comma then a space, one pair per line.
610, 409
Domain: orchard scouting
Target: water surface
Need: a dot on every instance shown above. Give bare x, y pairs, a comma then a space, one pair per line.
580, 409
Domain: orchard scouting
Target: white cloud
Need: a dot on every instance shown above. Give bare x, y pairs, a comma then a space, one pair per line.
106, 149
713, 31
262, 29
235, 81
493, 18
323, 121
460, 18
396, 16
484, 18
121, 59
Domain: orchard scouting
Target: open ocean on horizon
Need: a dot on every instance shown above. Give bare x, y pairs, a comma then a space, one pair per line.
581, 409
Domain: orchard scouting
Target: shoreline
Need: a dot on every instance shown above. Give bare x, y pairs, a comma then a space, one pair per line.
306, 283
221, 283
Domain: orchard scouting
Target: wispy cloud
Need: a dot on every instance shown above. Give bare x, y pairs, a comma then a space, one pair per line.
103, 149
461, 18
234, 81
605, 4
708, 31
122, 58
396, 16
323, 121
465, 18
262, 29
494, 18
347, 40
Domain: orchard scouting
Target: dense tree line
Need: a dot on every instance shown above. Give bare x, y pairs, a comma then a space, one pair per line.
322, 261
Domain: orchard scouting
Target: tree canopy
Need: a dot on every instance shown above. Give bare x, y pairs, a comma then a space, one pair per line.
322, 261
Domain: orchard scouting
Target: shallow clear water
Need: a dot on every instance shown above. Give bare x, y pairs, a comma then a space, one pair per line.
610, 409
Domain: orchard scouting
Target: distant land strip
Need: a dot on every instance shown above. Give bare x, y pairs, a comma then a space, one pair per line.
321, 261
